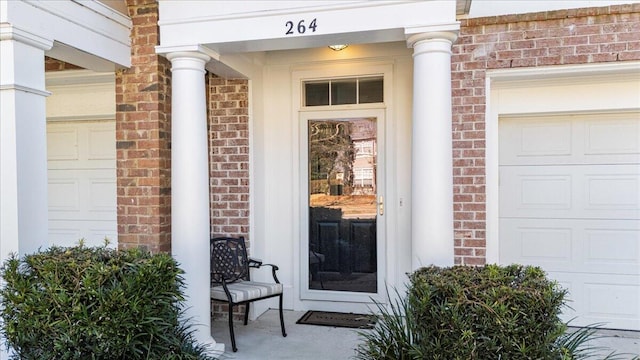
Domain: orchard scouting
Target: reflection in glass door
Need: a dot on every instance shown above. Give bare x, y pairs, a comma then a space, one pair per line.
342, 204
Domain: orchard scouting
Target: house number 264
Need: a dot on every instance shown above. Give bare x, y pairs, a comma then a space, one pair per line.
301, 28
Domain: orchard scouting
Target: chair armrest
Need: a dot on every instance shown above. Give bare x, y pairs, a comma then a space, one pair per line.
222, 282
255, 263
274, 268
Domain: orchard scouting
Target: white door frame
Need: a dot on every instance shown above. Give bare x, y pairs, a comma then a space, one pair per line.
387, 182
340, 296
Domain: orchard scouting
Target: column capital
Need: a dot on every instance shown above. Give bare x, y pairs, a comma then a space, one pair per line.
187, 51
11, 32
446, 31
449, 36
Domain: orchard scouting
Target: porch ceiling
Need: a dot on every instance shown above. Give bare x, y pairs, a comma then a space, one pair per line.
463, 7
117, 5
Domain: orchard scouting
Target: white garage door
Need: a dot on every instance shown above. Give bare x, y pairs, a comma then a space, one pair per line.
82, 182
570, 203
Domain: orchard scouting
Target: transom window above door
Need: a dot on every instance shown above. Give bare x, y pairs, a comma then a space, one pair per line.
345, 91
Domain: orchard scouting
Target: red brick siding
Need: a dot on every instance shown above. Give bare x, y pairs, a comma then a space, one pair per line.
229, 155
228, 163
143, 133
579, 36
57, 65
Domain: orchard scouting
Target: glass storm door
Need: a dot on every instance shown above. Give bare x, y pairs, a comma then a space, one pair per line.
344, 205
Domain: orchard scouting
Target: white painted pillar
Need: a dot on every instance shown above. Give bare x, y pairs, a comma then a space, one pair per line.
432, 159
23, 145
190, 229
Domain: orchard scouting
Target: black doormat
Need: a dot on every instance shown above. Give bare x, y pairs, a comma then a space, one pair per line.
337, 319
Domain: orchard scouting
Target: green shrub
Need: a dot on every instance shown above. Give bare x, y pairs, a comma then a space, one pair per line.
464, 313
95, 303
482, 312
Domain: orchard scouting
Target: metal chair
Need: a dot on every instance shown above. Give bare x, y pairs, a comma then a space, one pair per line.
230, 279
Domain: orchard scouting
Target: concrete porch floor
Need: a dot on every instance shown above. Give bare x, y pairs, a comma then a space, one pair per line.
261, 339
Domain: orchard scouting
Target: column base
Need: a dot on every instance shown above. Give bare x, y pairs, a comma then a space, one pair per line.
213, 348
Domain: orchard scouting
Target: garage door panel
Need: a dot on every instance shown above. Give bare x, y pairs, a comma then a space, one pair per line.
576, 246
526, 192
536, 244
63, 234
70, 232
81, 145
614, 192
612, 136
82, 182
524, 139
578, 191
101, 191
63, 194
101, 143
62, 144
98, 232
570, 139
613, 300
82, 194
613, 247
574, 290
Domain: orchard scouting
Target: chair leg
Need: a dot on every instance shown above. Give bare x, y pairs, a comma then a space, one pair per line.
233, 337
246, 313
284, 333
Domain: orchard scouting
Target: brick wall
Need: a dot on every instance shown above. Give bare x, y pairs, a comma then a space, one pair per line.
57, 65
566, 37
228, 163
229, 155
143, 133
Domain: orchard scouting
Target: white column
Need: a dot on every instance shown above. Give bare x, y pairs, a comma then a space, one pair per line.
23, 145
190, 230
431, 163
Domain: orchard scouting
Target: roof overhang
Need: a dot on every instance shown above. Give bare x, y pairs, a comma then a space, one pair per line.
89, 34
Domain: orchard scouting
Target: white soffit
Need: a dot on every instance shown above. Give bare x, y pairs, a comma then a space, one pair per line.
85, 33
247, 26
463, 7
117, 5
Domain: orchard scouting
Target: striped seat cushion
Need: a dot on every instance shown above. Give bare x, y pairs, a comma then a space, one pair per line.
246, 290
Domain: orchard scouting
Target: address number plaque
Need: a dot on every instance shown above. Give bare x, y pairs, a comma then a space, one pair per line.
301, 27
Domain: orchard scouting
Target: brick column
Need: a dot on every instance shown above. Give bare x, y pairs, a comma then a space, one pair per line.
143, 133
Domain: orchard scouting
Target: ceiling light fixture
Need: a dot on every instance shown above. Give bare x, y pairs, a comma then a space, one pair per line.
338, 47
